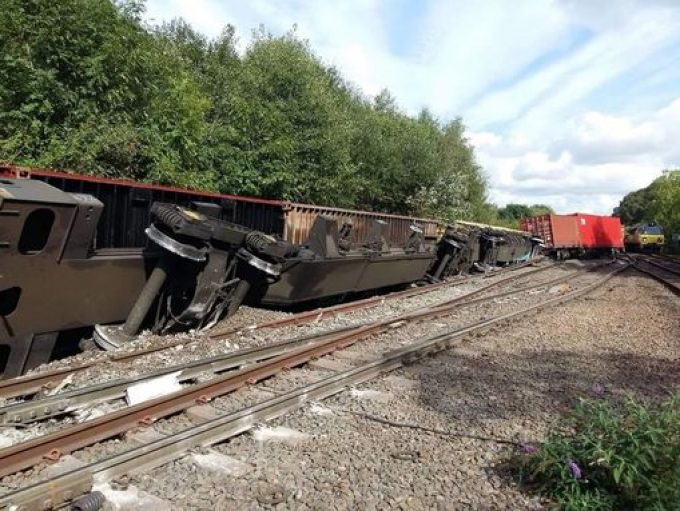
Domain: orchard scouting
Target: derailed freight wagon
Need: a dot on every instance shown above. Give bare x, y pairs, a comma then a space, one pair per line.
127, 210
468, 246
63, 277
577, 234
56, 286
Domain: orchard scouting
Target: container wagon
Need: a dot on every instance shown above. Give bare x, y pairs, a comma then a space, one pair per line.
59, 284
127, 210
576, 234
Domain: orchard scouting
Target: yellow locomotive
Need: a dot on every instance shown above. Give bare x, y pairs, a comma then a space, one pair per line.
644, 238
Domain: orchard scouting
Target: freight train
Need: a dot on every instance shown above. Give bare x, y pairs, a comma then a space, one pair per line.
577, 234
169, 260
644, 238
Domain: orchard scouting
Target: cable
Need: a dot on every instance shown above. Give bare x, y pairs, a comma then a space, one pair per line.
441, 432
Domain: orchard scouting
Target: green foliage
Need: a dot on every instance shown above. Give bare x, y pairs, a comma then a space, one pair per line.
85, 85
511, 214
628, 456
666, 206
637, 207
658, 203
515, 212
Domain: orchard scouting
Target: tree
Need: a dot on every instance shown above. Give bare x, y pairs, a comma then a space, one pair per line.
657, 203
86, 85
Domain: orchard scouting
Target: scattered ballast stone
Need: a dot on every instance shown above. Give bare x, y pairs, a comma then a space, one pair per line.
535, 369
366, 349
220, 463
63, 465
279, 434
201, 413
373, 395
131, 499
329, 364
143, 436
319, 409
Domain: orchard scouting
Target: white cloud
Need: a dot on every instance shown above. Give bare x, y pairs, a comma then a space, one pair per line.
569, 102
598, 159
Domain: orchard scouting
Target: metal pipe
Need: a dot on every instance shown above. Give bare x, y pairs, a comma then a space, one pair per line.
148, 295
442, 266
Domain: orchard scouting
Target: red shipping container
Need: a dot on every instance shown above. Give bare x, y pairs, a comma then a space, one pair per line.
599, 231
556, 231
577, 230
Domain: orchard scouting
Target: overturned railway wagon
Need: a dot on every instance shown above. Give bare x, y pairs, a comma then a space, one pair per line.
127, 210
62, 280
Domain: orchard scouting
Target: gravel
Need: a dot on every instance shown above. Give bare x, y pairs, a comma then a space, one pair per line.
507, 386
196, 345
376, 473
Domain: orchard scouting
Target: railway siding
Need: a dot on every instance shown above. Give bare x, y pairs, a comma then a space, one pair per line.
26, 453
411, 417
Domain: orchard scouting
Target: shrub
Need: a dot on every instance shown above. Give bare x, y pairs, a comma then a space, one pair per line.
609, 456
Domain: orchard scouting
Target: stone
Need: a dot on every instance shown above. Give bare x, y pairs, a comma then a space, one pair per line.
143, 436
64, 464
132, 499
201, 413
226, 465
327, 364
279, 434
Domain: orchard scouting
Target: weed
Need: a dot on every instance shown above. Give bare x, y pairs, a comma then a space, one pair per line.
608, 455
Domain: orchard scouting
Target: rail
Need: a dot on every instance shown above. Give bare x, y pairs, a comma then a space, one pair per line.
62, 489
38, 409
31, 384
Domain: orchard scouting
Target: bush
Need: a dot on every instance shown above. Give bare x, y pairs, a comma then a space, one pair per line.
609, 456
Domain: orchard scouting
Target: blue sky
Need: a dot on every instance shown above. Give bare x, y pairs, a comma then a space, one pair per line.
568, 102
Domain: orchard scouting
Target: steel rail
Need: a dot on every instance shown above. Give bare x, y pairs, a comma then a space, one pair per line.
25, 412
319, 313
38, 409
673, 285
32, 384
29, 453
647, 260
60, 490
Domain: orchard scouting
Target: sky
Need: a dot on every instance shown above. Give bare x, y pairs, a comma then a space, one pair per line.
570, 103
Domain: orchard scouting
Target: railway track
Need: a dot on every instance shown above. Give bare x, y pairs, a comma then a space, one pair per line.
49, 406
45, 381
659, 269
62, 489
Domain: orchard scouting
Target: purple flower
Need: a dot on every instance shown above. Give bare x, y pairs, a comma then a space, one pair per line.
527, 448
574, 469
597, 389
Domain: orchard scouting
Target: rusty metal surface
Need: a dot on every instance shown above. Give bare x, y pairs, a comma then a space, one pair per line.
669, 277
556, 231
299, 218
64, 488
127, 209
28, 385
33, 410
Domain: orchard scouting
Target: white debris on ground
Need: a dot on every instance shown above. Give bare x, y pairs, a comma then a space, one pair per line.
507, 386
